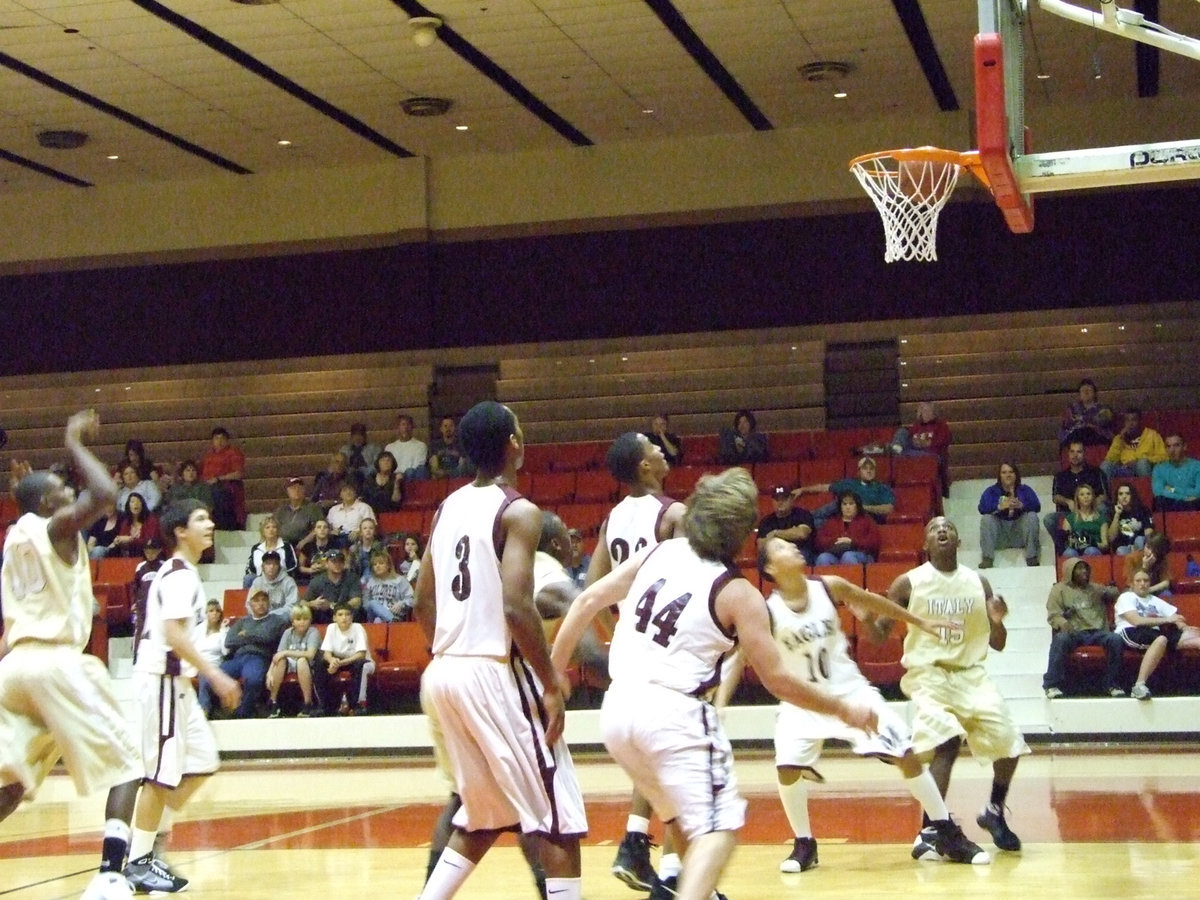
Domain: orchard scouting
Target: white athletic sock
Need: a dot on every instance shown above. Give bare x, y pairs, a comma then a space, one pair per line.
637, 823
669, 865
448, 875
794, 798
564, 888
925, 790
163, 836
141, 844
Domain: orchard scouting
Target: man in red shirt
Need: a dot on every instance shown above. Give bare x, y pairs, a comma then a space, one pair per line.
223, 466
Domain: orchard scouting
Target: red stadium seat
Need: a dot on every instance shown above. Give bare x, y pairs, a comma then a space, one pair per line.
579, 455
914, 470
681, 481
587, 517
701, 449
405, 521
539, 457
823, 470
595, 487
407, 657
114, 580
791, 445
233, 603
880, 575
552, 488
769, 474
424, 494
1183, 528
914, 504
1181, 582
902, 543
852, 573
880, 662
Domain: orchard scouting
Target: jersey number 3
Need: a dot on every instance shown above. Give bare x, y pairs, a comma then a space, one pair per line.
664, 619
460, 586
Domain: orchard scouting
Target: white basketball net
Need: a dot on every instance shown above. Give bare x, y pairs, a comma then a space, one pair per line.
909, 195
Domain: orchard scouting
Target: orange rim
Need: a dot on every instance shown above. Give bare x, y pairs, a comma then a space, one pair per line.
968, 159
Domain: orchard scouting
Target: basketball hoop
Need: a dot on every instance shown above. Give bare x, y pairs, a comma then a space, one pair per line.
909, 188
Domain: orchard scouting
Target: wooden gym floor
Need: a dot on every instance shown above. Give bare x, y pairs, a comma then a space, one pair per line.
1096, 823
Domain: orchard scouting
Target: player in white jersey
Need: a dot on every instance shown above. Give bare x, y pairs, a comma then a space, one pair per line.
501, 727
642, 519
684, 610
54, 700
179, 750
952, 695
804, 621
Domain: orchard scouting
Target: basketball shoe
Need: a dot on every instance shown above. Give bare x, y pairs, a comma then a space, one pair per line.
632, 864
148, 875
108, 886
803, 858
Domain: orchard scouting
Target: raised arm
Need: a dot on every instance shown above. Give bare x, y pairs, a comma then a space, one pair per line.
997, 609
865, 604
99, 489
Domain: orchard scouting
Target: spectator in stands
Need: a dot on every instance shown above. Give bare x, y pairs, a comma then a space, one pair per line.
1152, 559
1147, 623
1066, 481
360, 454
743, 443
223, 466
297, 516
410, 454
279, 586
358, 554
387, 596
138, 526
210, 643
130, 483
790, 522
446, 459
188, 486
1085, 529
100, 536
410, 566
250, 644
1078, 616
1135, 450
268, 531
579, 560
298, 647
877, 498
1131, 522
327, 486
314, 551
660, 436
930, 436
333, 587
1087, 420
143, 577
344, 647
383, 489
347, 517
135, 455
1176, 481
851, 538
1008, 517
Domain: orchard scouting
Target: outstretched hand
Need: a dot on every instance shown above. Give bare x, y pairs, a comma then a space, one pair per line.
939, 627
84, 424
18, 469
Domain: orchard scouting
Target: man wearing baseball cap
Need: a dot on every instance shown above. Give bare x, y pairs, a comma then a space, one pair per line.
298, 515
876, 498
790, 522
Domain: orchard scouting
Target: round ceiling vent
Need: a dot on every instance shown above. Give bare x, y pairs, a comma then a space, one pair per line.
62, 140
255, 2
825, 70
426, 106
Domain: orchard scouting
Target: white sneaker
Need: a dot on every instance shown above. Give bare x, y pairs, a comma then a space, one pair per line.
108, 886
1053, 693
1116, 692
1140, 692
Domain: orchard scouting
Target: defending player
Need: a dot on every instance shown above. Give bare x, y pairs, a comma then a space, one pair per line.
684, 610
500, 727
805, 623
642, 519
54, 700
952, 695
179, 750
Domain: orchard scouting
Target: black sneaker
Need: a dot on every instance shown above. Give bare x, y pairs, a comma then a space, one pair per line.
275, 713
992, 818
953, 846
148, 875
665, 888
803, 858
632, 864
924, 848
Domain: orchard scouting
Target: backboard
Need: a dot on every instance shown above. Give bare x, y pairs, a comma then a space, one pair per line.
1015, 173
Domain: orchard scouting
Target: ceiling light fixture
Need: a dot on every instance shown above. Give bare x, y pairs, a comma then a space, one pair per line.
825, 70
462, 127
426, 106
424, 29
839, 95
284, 142
64, 139
112, 156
